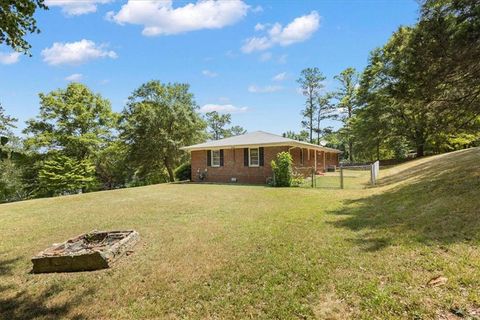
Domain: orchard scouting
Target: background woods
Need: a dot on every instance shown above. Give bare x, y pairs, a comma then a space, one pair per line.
419, 94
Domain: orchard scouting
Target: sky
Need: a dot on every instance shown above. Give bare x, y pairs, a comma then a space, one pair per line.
239, 56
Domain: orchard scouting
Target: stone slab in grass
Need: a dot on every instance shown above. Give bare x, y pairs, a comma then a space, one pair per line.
86, 252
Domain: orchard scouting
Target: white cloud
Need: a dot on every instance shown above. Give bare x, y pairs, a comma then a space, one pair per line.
75, 52
9, 58
280, 77
161, 18
74, 77
225, 108
259, 27
266, 56
266, 89
299, 30
209, 73
256, 44
76, 7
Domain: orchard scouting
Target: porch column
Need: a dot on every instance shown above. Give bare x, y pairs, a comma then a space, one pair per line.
324, 168
315, 161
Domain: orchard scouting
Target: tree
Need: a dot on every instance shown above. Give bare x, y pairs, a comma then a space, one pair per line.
430, 73
301, 136
11, 186
64, 175
236, 131
73, 126
325, 110
217, 123
111, 165
6, 135
73, 120
347, 104
311, 84
282, 170
158, 120
16, 20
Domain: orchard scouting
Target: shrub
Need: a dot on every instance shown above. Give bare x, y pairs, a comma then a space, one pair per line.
282, 170
184, 172
297, 179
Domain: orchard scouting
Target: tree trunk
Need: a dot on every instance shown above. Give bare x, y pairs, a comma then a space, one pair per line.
420, 143
420, 150
171, 175
311, 128
350, 151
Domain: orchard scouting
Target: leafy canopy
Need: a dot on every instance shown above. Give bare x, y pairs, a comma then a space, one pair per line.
158, 120
74, 120
311, 84
16, 21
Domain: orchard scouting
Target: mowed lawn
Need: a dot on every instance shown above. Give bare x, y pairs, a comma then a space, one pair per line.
222, 252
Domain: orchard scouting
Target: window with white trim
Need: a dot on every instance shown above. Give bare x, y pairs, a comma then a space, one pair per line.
253, 157
215, 158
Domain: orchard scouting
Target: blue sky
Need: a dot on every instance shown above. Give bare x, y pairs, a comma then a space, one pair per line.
238, 56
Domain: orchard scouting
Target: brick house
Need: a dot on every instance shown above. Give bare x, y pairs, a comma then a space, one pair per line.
246, 158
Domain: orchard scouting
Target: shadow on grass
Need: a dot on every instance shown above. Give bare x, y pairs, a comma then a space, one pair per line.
6, 266
20, 304
439, 205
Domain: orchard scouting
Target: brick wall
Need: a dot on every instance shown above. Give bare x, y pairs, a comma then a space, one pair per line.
233, 165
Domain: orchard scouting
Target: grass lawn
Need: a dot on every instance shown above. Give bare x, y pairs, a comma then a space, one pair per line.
352, 179
220, 251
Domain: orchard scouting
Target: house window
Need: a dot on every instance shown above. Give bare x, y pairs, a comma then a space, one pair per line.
254, 157
215, 158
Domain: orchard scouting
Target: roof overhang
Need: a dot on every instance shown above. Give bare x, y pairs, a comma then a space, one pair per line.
292, 144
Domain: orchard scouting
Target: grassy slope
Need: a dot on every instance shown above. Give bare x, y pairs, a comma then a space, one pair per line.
216, 251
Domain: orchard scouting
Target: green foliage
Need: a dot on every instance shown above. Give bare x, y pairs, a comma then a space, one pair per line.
60, 175
6, 135
347, 104
11, 185
301, 136
236, 131
216, 123
158, 120
183, 172
422, 85
16, 20
74, 120
67, 139
325, 110
111, 166
297, 179
311, 84
282, 170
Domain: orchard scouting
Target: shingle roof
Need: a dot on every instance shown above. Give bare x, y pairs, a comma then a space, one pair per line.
256, 138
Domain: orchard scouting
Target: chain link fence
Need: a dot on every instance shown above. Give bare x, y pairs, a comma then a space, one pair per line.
347, 176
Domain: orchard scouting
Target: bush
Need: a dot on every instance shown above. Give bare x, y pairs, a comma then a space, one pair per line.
297, 179
184, 172
282, 170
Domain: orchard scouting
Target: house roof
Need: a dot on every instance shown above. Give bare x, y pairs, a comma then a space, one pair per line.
256, 138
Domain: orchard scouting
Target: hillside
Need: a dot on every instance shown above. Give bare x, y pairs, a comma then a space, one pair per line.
217, 251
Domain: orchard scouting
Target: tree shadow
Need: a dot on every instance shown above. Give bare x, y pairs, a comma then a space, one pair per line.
438, 205
21, 304
6, 266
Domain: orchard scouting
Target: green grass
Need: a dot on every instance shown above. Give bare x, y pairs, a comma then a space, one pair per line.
352, 179
220, 251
